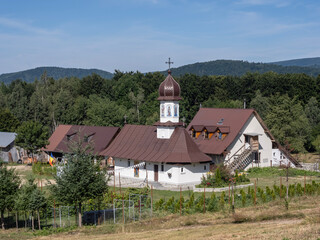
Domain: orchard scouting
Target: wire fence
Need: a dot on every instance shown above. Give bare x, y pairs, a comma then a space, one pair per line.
121, 211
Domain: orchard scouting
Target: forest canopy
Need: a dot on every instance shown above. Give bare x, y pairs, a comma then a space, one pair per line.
288, 103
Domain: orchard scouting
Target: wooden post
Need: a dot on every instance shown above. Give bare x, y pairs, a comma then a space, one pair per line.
17, 223
304, 184
119, 183
123, 209
229, 194
255, 192
204, 199
151, 199
287, 195
180, 201
114, 181
147, 176
232, 198
280, 187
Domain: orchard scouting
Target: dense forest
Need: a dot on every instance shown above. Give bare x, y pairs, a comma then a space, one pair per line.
239, 68
302, 62
288, 103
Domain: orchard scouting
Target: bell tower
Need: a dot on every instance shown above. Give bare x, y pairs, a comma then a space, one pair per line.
169, 97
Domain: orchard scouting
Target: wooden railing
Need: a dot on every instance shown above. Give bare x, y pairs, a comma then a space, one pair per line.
227, 162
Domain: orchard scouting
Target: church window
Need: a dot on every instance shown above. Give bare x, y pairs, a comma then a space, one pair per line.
176, 110
169, 111
129, 163
205, 167
162, 167
162, 110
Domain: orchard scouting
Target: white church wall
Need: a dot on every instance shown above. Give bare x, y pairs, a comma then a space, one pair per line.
265, 144
171, 174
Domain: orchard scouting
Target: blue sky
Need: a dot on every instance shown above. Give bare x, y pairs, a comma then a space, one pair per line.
132, 35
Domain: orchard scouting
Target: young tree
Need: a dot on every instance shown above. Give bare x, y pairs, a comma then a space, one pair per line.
80, 179
9, 185
32, 136
30, 198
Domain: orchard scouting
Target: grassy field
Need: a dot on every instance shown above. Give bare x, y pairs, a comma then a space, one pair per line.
268, 221
265, 221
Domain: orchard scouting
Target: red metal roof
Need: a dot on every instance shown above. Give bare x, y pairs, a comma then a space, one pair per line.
140, 142
99, 137
232, 122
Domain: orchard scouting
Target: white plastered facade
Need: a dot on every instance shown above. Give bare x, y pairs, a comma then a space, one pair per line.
174, 174
253, 126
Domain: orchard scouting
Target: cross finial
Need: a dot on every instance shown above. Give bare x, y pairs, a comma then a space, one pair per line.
169, 63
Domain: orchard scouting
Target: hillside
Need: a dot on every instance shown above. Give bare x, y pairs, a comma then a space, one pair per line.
302, 62
54, 72
239, 68
309, 66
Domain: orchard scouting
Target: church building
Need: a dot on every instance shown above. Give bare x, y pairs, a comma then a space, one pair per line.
169, 153
164, 152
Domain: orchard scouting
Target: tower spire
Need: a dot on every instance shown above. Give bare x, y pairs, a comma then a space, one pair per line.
169, 63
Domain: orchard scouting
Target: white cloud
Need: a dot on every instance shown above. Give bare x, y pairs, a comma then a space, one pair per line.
25, 26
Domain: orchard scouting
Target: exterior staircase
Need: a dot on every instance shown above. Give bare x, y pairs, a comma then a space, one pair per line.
241, 161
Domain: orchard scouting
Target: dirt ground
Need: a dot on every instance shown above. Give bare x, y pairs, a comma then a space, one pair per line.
302, 221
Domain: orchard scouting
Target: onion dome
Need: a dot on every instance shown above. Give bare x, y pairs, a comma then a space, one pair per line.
169, 89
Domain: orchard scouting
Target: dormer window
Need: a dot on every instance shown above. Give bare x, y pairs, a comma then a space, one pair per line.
69, 137
206, 134
193, 133
87, 138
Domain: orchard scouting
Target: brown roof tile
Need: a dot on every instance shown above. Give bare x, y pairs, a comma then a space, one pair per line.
101, 137
233, 121
139, 142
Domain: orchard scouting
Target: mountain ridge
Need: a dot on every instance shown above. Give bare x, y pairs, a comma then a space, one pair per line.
309, 66
55, 72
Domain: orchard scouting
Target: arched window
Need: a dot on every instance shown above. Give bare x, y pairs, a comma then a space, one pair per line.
169, 111
176, 110
162, 110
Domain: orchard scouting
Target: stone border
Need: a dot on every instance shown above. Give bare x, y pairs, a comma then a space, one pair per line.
195, 189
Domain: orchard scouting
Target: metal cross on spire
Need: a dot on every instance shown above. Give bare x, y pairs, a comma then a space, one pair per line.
169, 62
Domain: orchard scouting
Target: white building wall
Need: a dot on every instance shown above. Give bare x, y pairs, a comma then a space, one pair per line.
265, 144
164, 132
278, 158
172, 174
